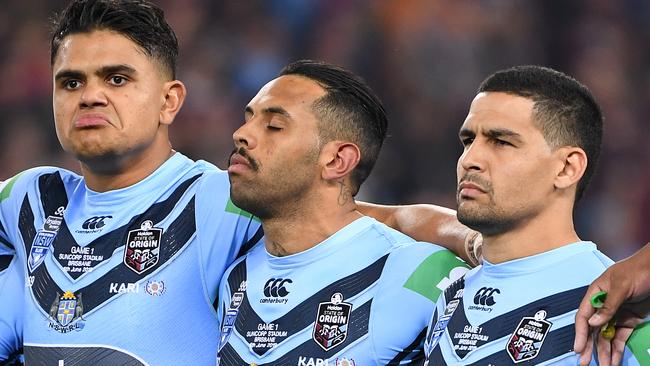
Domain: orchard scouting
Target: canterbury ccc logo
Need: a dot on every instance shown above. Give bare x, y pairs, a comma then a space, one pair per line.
275, 287
95, 222
485, 296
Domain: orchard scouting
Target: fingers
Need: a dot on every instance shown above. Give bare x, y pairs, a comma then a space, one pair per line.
615, 298
604, 349
585, 355
585, 311
618, 345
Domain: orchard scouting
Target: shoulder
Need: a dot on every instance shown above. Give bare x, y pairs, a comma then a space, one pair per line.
434, 268
34, 179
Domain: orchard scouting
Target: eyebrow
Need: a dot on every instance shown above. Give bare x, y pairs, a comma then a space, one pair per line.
272, 110
495, 133
103, 71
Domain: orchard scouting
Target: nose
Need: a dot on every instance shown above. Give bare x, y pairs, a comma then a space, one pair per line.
472, 158
243, 136
93, 95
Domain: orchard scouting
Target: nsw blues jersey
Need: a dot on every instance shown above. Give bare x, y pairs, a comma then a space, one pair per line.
125, 277
520, 312
361, 297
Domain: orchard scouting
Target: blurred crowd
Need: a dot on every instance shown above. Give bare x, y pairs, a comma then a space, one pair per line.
425, 58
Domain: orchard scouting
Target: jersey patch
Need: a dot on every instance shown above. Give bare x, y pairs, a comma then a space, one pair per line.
331, 326
142, 250
66, 312
43, 240
528, 338
441, 269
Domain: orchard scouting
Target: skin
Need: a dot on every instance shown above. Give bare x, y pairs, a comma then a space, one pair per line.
283, 173
512, 186
112, 107
628, 301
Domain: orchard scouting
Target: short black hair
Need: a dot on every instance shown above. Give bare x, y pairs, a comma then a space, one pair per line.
564, 109
350, 110
140, 21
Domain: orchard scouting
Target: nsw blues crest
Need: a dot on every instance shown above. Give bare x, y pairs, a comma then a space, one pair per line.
43, 240
66, 313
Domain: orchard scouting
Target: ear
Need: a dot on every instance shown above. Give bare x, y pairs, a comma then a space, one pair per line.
339, 158
573, 163
173, 98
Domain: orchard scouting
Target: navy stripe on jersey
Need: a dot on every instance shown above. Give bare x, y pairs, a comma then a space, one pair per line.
96, 356
251, 242
357, 328
557, 343
46, 291
503, 325
436, 359
53, 194
106, 244
413, 353
3, 234
4, 261
304, 314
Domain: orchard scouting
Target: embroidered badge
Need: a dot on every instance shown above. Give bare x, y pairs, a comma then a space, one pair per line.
66, 313
44, 239
332, 318
143, 247
527, 339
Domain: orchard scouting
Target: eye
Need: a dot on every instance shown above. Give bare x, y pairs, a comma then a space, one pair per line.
465, 141
500, 142
117, 80
273, 128
71, 84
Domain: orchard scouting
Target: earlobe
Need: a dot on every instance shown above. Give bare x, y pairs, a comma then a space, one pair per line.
172, 101
574, 164
342, 158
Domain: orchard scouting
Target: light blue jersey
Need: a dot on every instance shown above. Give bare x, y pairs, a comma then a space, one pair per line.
125, 277
363, 296
520, 312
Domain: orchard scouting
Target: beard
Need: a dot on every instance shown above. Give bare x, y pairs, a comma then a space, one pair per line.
275, 191
487, 220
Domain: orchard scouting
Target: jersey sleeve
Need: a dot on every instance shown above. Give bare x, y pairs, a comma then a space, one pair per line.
224, 231
11, 317
415, 279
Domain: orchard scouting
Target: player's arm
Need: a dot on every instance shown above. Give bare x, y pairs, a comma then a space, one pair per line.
627, 284
11, 304
428, 223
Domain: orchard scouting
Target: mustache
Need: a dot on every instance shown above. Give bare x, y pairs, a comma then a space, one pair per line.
241, 151
476, 179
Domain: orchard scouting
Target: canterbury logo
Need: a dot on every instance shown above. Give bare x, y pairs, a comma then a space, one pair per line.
485, 296
95, 222
275, 287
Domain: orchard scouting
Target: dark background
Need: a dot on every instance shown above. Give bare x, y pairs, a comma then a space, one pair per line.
425, 58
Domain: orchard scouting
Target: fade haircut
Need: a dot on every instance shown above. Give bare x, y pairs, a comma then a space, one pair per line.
564, 110
349, 111
138, 20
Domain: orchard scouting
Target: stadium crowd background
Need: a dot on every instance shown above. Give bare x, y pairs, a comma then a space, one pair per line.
425, 59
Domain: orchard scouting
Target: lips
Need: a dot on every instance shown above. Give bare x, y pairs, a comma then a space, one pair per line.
470, 190
238, 164
90, 120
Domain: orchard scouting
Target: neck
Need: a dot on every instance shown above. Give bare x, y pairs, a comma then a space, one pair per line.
547, 231
103, 175
307, 225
